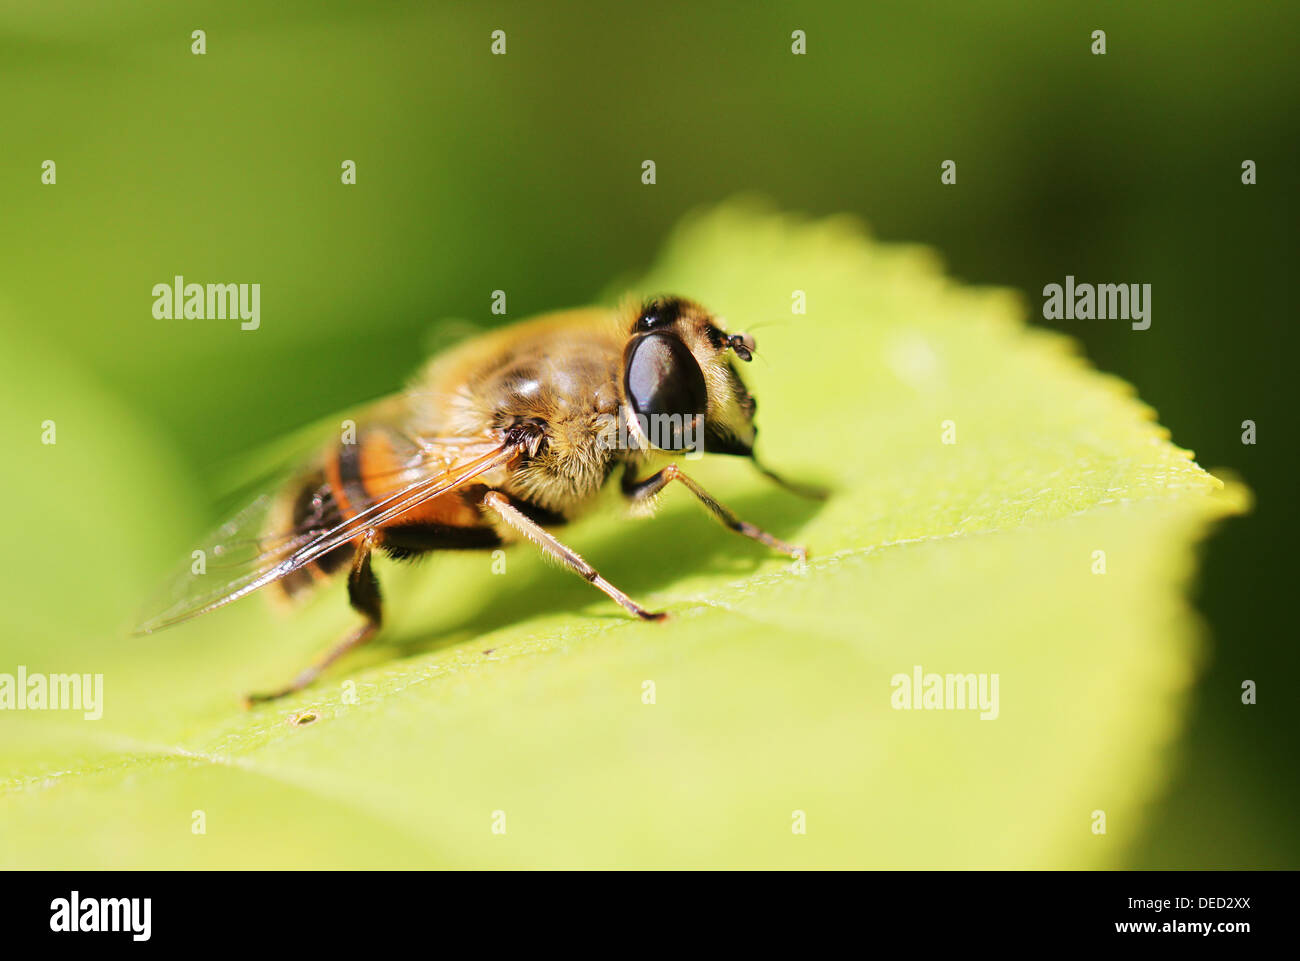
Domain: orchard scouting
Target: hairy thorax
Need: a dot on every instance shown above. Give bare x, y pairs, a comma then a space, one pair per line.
561, 375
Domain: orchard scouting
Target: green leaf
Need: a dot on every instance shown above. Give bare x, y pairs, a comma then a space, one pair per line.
523, 693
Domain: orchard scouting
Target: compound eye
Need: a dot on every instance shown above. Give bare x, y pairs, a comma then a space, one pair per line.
666, 387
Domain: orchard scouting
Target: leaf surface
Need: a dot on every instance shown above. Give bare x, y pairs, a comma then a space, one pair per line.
525, 693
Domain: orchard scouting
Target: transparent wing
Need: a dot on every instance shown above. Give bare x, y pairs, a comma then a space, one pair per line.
255, 547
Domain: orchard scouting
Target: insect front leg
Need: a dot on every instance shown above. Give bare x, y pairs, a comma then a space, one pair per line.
364, 596
640, 491
518, 521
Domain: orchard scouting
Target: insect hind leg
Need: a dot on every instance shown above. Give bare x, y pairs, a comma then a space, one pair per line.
365, 598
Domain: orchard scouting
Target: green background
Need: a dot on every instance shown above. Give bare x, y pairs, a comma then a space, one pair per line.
523, 173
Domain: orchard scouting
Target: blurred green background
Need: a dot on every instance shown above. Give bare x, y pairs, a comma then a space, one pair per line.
522, 173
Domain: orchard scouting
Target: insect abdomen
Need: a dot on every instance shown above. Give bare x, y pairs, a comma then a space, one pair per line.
314, 509
358, 475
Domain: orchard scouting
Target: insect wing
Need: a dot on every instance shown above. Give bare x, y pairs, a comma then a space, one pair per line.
255, 548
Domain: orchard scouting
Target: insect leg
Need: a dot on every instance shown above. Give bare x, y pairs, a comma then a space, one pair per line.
809, 491
637, 491
516, 519
363, 595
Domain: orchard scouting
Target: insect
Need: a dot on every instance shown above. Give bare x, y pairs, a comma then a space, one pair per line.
501, 439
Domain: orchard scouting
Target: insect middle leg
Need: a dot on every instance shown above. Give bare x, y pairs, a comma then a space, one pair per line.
640, 491
518, 521
363, 594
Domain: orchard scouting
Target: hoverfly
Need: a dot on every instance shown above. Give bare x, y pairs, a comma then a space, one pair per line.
502, 438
